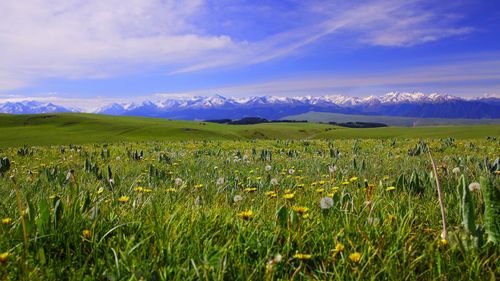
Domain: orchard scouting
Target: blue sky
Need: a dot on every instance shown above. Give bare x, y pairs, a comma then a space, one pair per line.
94, 51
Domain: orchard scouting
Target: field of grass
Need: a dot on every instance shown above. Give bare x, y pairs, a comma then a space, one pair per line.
55, 129
248, 210
388, 120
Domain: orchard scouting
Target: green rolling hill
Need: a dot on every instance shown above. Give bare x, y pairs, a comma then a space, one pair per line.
73, 128
389, 120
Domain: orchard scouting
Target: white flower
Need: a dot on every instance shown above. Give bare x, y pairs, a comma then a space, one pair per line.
274, 181
332, 169
178, 181
291, 171
373, 220
456, 170
326, 203
220, 181
237, 198
268, 168
475, 186
277, 258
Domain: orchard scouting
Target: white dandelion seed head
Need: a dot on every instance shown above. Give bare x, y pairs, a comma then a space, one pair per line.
291, 171
220, 181
267, 168
456, 170
274, 181
475, 186
237, 198
332, 169
326, 203
178, 181
278, 258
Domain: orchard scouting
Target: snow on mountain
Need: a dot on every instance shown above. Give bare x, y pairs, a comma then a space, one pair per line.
275, 107
33, 107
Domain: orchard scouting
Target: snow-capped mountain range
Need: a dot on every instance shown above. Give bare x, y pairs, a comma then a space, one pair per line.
272, 107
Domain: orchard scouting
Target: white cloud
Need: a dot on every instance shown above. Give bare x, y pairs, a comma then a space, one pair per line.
77, 39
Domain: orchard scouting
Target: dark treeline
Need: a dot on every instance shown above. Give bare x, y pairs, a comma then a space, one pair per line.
359, 124
252, 120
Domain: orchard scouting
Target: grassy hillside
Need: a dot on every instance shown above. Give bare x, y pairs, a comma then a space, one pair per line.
389, 120
50, 129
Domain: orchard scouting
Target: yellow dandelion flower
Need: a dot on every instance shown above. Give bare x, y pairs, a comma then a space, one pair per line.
250, 189
353, 179
289, 196
147, 190
300, 185
100, 190
246, 215
86, 234
443, 242
271, 194
198, 186
300, 209
390, 188
322, 182
6, 221
345, 182
320, 190
385, 178
138, 189
355, 257
302, 257
123, 199
288, 191
4, 257
339, 247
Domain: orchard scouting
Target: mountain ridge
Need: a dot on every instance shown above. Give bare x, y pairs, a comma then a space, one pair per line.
401, 104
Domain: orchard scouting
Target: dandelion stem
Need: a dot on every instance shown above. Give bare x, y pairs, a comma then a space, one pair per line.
440, 198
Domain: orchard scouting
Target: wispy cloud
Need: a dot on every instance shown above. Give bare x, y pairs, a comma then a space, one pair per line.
76, 39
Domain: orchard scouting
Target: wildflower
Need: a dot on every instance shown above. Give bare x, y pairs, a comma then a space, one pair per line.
271, 194
4, 257
345, 183
332, 169
291, 171
267, 168
390, 188
443, 242
100, 190
250, 189
302, 257
198, 186
147, 190
322, 182
246, 215
289, 196
339, 247
178, 181
355, 257
123, 199
353, 179
6, 221
300, 209
326, 203
474, 186
274, 181
220, 181
385, 178
237, 198
170, 189
86, 234
300, 185
390, 218
456, 170
320, 190
138, 189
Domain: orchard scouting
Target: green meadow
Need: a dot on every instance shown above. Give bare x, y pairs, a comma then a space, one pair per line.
52, 129
89, 197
